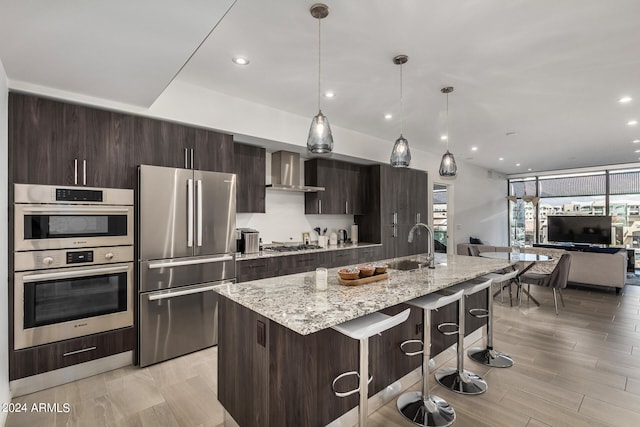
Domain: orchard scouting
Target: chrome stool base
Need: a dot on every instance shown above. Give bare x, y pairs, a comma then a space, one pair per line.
490, 357
464, 382
427, 411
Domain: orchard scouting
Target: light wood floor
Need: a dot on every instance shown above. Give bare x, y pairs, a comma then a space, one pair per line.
581, 368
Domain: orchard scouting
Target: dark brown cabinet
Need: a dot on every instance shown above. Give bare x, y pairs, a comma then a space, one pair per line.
250, 170
44, 358
402, 198
343, 187
161, 143
66, 144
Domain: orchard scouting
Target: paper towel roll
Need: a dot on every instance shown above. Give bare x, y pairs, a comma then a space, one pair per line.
354, 233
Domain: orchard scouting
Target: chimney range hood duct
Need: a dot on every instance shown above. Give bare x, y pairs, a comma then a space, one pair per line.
285, 173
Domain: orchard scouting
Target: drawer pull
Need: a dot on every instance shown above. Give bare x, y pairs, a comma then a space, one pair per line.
71, 353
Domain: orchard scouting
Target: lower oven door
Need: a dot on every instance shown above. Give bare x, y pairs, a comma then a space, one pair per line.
55, 305
177, 321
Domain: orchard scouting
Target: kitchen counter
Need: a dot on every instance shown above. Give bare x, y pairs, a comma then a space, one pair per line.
277, 352
293, 301
271, 254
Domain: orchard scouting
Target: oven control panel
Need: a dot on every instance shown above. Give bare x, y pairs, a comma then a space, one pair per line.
39, 260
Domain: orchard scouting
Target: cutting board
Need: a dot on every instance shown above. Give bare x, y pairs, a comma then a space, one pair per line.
364, 280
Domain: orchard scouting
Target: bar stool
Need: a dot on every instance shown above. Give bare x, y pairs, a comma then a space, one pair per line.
423, 408
458, 379
489, 356
362, 329
500, 279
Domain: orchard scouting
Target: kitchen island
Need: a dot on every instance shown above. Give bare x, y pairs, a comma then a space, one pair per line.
277, 352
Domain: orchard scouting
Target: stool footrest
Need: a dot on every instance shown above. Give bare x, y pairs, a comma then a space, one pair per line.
441, 327
350, 392
412, 353
479, 313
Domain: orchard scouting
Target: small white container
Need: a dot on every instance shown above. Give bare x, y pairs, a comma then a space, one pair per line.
321, 279
354, 234
333, 239
322, 241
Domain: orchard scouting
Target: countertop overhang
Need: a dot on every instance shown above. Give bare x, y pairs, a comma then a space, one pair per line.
294, 302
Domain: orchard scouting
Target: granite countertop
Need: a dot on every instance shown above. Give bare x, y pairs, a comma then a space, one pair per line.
295, 303
270, 254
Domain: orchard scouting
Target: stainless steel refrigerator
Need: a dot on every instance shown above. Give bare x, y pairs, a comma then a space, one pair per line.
186, 226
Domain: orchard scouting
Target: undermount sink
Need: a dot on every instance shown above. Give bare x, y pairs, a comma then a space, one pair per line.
406, 264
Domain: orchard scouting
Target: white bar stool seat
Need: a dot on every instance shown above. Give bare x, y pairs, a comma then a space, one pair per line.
458, 379
423, 408
501, 279
362, 329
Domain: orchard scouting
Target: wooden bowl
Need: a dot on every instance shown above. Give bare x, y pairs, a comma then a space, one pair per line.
366, 270
349, 273
380, 268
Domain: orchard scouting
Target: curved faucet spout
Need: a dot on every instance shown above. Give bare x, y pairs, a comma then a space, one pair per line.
430, 244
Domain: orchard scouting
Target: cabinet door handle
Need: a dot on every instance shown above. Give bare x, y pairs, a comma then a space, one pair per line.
346, 207
191, 165
84, 172
71, 353
75, 171
319, 206
394, 219
186, 158
418, 217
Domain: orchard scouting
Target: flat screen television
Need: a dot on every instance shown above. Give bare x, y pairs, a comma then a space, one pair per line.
580, 229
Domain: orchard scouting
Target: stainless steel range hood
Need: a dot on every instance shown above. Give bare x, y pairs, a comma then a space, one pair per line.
285, 173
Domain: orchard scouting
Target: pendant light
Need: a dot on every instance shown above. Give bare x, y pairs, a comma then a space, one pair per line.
448, 165
401, 155
320, 140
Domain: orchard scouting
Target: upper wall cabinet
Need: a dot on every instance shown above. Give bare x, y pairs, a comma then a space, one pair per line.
58, 143
343, 183
161, 143
64, 144
250, 169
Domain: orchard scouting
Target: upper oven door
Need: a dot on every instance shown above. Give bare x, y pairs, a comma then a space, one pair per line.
42, 226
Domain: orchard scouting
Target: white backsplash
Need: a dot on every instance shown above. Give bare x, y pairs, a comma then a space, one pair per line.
285, 219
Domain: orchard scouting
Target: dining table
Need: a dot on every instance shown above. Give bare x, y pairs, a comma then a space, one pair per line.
528, 260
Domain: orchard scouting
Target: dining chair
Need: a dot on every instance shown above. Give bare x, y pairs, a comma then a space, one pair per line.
555, 280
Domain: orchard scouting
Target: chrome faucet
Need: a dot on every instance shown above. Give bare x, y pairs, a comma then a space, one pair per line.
430, 256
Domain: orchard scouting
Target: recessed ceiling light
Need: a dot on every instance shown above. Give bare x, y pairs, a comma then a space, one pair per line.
529, 169
625, 99
240, 60
501, 158
388, 116
443, 137
632, 122
329, 94
517, 164
637, 151
474, 148
635, 141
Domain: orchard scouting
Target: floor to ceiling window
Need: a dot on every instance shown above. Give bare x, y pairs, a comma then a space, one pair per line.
440, 198
614, 193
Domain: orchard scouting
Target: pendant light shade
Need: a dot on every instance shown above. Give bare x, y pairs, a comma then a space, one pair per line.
320, 140
400, 154
448, 167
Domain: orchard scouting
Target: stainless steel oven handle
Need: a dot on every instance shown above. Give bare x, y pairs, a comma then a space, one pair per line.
190, 212
163, 264
186, 292
76, 273
71, 353
76, 210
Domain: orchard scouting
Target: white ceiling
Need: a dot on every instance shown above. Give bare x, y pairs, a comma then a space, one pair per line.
550, 71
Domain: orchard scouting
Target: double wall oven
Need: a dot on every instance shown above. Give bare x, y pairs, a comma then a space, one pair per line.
73, 262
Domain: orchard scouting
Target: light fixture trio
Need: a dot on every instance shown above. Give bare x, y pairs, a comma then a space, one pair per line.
320, 140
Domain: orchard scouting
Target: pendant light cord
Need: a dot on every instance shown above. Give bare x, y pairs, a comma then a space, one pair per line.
447, 122
319, 62
401, 103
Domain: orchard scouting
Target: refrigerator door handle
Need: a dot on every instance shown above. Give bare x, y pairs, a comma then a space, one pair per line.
199, 212
190, 213
189, 262
172, 294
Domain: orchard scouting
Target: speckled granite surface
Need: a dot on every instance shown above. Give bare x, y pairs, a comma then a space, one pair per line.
294, 302
269, 254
